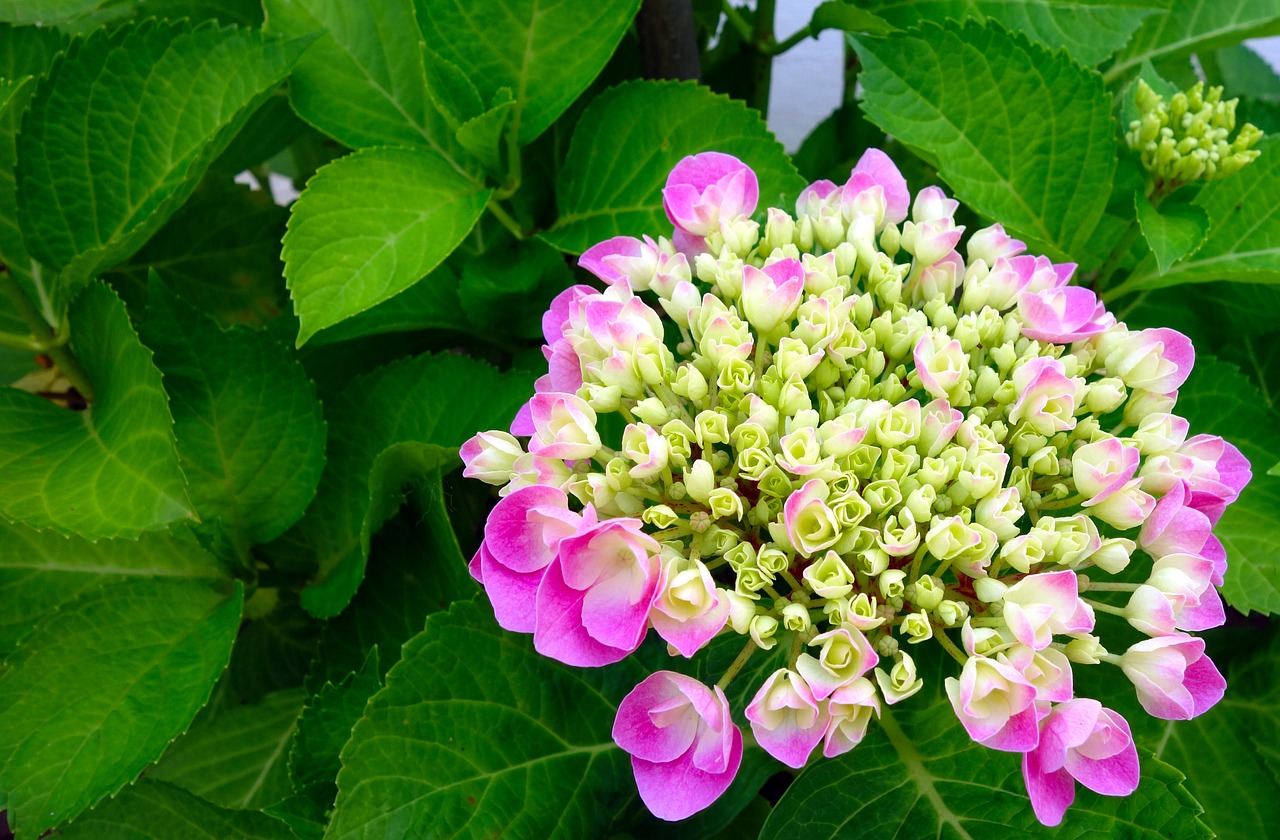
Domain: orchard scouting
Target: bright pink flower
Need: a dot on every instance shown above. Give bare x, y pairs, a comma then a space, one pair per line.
688, 611
1079, 741
1062, 315
623, 260
996, 704
1215, 470
999, 287
1156, 360
1174, 679
849, 711
786, 719
1046, 396
564, 427
1048, 275
771, 296
1179, 595
685, 749
593, 602
1174, 527
521, 538
489, 456
1102, 468
1213, 551
875, 169
702, 189
1048, 670
1039, 606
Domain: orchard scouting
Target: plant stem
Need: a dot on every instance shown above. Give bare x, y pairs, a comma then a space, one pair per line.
793, 39
44, 339
506, 219
736, 20
950, 646
762, 71
737, 664
668, 40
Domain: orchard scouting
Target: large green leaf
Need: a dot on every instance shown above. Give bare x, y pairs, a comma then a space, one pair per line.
631, 136
107, 153
1230, 753
151, 810
430, 304
110, 470
362, 82
1219, 400
1090, 30
545, 51
41, 570
98, 689
1195, 26
13, 253
249, 427
1021, 134
221, 251
236, 755
398, 404
1173, 231
28, 50
506, 290
918, 774
370, 225
478, 735
45, 11
1244, 230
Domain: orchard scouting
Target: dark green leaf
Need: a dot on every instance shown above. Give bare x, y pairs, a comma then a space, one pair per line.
1038, 155
249, 427
631, 136
1173, 232
274, 650
482, 135
508, 289
45, 11
839, 14
28, 50
369, 226
151, 810
1194, 26
221, 251
478, 735
396, 404
545, 52
236, 756
98, 689
1090, 30
106, 156
110, 470
1219, 400
41, 570
430, 304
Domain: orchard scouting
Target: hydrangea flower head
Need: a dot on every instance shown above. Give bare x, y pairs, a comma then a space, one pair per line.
847, 433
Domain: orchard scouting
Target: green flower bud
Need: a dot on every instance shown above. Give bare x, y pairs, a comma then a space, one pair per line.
795, 617
829, 577
917, 627
926, 593
762, 630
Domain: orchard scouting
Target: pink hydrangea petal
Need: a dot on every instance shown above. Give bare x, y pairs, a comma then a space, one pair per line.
1051, 793
689, 636
1021, 732
592, 260
1206, 615
884, 172
616, 613
522, 424
512, 594
790, 743
557, 314
559, 634
634, 729
515, 533
1116, 775
678, 789
1214, 551
1205, 683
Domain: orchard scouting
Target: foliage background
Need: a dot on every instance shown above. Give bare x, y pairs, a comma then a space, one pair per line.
232, 537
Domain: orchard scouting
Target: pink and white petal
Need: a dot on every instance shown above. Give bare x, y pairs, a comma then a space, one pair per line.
678, 789
616, 613
689, 636
1206, 615
559, 633
881, 168
513, 536
635, 731
1021, 732
789, 743
1051, 793
1205, 683
512, 594
522, 423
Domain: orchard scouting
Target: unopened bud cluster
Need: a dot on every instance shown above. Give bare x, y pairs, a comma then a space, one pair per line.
844, 438
1188, 138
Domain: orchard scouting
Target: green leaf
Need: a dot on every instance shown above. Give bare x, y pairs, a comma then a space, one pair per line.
1038, 155
1219, 400
28, 50
475, 734
416, 567
1242, 72
45, 11
362, 82
106, 155
369, 226
1244, 230
221, 251
13, 253
273, 651
110, 470
1173, 232
430, 304
98, 689
1193, 26
41, 570
396, 404
249, 427
1090, 30
236, 755
325, 727
1225, 752
838, 14
918, 774
508, 289
482, 135
151, 810
545, 51
631, 136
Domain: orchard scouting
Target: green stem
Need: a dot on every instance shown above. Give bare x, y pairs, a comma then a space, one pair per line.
1110, 587
737, 664
47, 341
762, 70
20, 342
795, 38
950, 646
736, 20
506, 219
1106, 608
